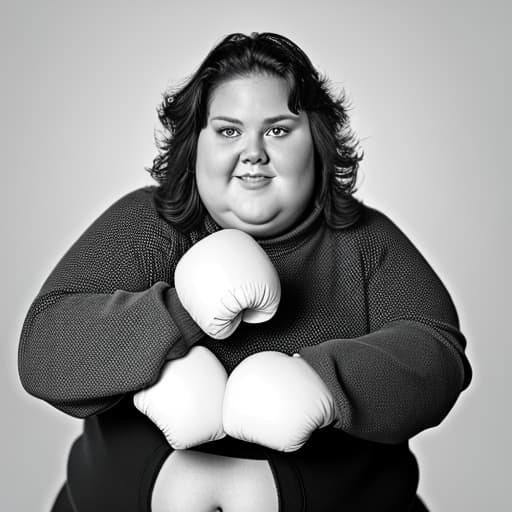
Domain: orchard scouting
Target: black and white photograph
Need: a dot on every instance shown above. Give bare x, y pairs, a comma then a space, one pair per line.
256, 256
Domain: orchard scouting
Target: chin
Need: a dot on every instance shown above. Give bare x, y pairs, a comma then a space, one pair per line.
262, 230
260, 227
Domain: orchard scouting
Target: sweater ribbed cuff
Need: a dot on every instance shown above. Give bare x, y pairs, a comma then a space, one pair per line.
191, 332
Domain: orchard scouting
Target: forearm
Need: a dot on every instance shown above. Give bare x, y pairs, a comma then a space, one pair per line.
81, 352
392, 383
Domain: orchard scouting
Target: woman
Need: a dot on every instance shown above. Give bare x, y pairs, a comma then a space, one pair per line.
345, 318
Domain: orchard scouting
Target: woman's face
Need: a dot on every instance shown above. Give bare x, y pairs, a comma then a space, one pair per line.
255, 158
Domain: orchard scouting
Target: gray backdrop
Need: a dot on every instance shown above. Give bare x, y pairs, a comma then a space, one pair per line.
430, 88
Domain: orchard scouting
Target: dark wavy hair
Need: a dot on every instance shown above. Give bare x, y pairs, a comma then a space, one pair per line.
183, 113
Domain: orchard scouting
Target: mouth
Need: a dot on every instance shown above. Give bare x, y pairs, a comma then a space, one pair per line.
254, 181
253, 177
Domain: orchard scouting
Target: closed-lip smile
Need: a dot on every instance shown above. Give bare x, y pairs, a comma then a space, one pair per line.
253, 175
254, 180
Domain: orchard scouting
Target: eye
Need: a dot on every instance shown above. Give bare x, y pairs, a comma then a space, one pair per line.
228, 132
278, 131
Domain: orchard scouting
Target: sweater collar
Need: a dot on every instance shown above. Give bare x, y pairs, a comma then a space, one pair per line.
288, 241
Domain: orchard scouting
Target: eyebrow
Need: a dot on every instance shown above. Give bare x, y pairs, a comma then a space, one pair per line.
268, 120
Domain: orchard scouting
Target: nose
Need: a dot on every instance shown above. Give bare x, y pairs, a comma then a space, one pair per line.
254, 151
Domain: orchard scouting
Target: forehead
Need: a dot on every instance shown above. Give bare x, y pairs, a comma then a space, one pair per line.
254, 94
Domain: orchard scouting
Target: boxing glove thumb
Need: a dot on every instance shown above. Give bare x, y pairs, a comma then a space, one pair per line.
224, 278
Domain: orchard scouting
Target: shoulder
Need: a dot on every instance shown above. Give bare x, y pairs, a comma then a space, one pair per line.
136, 210
134, 204
375, 237
372, 228
376, 222
134, 218
125, 218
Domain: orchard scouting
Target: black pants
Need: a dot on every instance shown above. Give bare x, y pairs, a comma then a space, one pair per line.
63, 503
310, 480
114, 466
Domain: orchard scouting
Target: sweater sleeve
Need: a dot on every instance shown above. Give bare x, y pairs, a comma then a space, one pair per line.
406, 373
105, 320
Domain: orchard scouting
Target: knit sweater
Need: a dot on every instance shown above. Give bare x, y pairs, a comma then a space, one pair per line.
361, 305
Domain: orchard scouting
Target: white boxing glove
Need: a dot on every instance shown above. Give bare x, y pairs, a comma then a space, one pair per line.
224, 278
276, 400
186, 402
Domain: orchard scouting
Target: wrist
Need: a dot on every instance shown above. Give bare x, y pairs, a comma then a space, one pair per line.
189, 329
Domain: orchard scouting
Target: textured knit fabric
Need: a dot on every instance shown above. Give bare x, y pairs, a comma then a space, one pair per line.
361, 305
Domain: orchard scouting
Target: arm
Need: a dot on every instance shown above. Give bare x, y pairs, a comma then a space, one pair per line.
405, 374
105, 320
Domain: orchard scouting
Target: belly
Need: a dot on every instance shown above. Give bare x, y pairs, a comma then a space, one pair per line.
194, 481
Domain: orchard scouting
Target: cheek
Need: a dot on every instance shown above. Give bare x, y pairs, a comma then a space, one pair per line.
297, 161
212, 173
213, 159
203, 156
300, 179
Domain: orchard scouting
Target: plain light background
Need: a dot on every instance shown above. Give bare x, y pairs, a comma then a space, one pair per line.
429, 84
